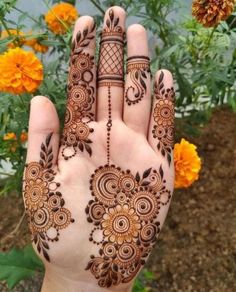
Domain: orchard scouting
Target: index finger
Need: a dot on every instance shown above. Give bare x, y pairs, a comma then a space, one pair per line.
81, 90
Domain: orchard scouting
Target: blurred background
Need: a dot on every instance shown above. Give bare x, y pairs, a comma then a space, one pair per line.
196, 40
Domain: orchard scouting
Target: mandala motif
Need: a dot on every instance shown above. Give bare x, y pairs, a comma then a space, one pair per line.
44, 204
163, 115
125, 211
81, 97
120, 224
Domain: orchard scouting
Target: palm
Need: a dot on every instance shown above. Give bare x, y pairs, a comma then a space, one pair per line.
110, 190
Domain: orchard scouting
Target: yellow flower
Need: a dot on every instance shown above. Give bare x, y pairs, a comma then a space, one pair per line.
9, 136
23, 137
60, 17
35, 44
210, 12
187, 164
21, 71
13, 32
38, 47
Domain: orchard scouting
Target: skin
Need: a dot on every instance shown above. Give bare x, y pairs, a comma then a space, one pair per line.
132, 147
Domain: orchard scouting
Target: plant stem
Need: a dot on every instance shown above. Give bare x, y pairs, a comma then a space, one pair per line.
210, 37
232, 22
30, 17
8, 31
98, 7
4, 173
5, 26
16, 229
208, 41
23, 103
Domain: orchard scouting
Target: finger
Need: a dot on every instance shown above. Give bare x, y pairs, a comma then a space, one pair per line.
161, 128
80, 108
43, 125
137, 103
111, 65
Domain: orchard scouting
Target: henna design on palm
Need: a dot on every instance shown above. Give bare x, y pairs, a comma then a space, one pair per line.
137, 67
125, 208
80, 97
163, 116
44, 203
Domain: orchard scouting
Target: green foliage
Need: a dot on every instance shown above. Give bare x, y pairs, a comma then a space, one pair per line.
17, 265
5, 6
203, 63
142, 281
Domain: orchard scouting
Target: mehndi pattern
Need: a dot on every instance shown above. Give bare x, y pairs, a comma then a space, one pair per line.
81, 97
44, 203
163, 115
125, 209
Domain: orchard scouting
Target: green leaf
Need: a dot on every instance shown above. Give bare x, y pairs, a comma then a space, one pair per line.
17, 265
5, 7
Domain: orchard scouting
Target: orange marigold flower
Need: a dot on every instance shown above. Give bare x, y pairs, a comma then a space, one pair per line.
21, 71
36, 46
9, 136
210, 12
23, 137
13, 32
60, 17
187, 164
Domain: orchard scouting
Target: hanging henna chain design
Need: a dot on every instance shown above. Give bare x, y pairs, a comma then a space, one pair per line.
80, 97
110, 65
137, 67
125, 207
163, 115
44, 203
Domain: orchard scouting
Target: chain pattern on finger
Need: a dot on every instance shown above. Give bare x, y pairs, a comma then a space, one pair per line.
81, 97
163, 115
44, 203
111, 60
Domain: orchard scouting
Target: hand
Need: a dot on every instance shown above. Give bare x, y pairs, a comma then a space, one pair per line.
97, 202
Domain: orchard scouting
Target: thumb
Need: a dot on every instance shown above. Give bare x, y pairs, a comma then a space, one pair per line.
43, 129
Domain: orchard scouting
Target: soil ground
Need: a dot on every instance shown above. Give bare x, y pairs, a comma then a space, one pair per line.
196, 250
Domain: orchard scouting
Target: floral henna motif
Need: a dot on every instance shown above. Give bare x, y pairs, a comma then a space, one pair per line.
163, 115
44, 204
124, 212
110, 68
80, 97
138, 67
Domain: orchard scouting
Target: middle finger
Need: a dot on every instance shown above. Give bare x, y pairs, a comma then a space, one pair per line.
111, 65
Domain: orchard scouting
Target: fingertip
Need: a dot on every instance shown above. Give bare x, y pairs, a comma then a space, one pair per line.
137, 29
43, 121
43, 115
137, 41
83, 21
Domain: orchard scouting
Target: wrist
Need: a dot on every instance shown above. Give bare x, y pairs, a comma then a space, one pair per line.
59, 282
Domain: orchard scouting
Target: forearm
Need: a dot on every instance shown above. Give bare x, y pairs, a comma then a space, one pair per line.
61, 283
